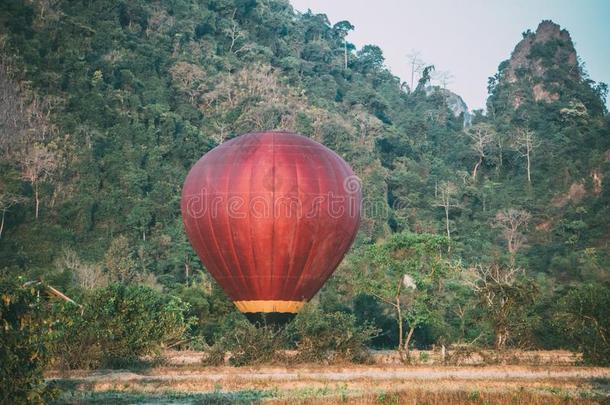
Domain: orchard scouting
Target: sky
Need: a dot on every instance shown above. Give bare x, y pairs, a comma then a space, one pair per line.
468, 38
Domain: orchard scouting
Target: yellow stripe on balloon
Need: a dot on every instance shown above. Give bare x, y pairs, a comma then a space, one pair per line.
269, 306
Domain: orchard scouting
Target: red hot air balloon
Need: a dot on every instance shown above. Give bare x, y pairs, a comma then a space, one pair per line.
271, 215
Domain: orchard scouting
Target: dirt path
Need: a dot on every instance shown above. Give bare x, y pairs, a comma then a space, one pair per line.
344, 374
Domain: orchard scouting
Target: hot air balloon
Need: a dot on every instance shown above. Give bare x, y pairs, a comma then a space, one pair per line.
271, 215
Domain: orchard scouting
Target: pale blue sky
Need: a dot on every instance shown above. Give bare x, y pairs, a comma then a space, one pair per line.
468, 38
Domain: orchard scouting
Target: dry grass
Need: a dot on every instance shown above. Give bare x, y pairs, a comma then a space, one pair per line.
418, 397
188, 382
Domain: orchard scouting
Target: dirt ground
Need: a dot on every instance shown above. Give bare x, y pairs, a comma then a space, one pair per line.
182, 379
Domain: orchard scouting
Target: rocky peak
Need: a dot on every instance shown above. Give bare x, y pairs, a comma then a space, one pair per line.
455, 103
536, 55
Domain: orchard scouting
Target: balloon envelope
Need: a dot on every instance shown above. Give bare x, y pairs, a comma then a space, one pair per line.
271, 216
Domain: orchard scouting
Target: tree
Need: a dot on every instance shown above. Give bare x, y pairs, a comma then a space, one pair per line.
405, 272
38, 164
342, 28
482, 135
236, 35
188, 78
27, 329
526, 142
502, 293
444, 78
425, 78
119, 260
512, 222
584, 314
445, 197
370, 58
416, 64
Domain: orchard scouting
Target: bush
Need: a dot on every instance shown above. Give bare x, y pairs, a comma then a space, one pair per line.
330, 337
117, 325
317, 335
246, 344
25, 331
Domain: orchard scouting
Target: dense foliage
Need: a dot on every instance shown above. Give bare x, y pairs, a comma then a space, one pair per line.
317, 336
117, 325
585, 315
25, 332
105, 105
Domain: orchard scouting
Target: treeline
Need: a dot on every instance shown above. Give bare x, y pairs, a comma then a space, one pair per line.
493, 234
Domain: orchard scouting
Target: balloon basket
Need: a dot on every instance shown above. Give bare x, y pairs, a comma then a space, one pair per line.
272, 319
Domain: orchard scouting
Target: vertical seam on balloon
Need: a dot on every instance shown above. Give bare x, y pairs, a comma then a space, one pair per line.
213, 234
295, 231
322, 275
236, 154
315, 240
272, 212
253, 266
331, 269
204, 246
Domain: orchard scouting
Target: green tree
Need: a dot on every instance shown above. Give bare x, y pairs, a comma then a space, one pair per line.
342, 28
406, 273
584, 315
26, 329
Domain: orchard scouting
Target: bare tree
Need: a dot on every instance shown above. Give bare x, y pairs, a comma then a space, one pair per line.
512, 223
416, 63
120, 261
502, 295
38, 163
526, 142
189, 79
443, 77
237, 36
445, 197
87, 276
24, 116
482, 136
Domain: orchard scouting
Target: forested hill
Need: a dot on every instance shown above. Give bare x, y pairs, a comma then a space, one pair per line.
107, 104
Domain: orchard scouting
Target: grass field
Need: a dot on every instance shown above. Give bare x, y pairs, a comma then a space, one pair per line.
181, 379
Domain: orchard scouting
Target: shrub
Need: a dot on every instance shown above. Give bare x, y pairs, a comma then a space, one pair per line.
246, 344
117, 325
330, 337
318, 336
25, 331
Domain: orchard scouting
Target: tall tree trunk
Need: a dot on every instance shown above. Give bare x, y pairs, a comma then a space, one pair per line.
2, 223
408, 341
399, 317
501, 337
447, 226
529, 177
412, 74
476, 167
37, 199
447, 221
